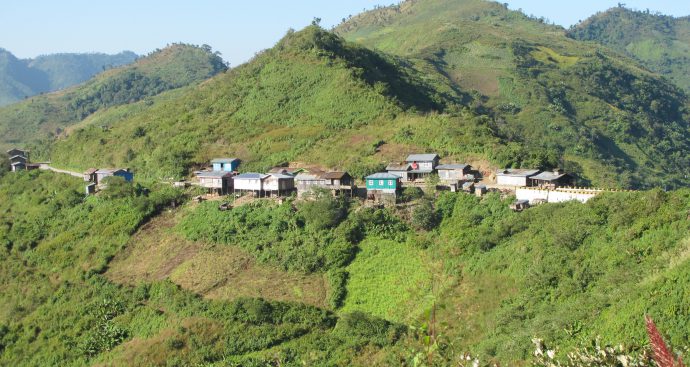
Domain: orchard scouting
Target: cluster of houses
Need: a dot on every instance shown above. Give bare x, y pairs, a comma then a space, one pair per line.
19, 160
223, 178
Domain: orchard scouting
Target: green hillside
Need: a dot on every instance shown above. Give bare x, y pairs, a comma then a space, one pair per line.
575, 104
659, 42
72, 294
34, 120
22, 78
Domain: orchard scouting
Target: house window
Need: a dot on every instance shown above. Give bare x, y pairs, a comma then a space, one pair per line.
371, 182
390, 183
380, 182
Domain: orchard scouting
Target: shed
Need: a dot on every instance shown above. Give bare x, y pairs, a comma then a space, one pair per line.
90, 175
18, 159
453, 172
519, 205
218, 182
515, 177
18, 166
225, 164
90, 188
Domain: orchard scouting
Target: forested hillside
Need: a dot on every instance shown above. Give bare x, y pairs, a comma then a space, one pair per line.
659, 42
22, 78
35, 121
554, 100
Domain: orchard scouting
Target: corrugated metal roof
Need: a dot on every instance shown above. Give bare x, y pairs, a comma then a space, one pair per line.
251, 176
453, 166
517, 172
110, 171
307, 177
335, 175
398, 167
382, 176
224, 160
421, 157
549, 176
91, 171
281, 176
213, 174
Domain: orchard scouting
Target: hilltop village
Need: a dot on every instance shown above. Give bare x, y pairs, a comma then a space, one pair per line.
223, 177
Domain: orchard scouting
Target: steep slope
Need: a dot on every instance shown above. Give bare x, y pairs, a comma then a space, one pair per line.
555, 100
28, 77
312, 98
45, 116
660, 42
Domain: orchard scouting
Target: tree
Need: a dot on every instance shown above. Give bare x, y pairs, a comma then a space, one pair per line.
324, 212
4, 165
425, 216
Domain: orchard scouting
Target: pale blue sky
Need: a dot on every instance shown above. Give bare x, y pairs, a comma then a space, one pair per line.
236, 28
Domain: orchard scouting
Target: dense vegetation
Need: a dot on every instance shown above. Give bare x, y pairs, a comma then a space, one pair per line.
32, 122
20, 79
660, 42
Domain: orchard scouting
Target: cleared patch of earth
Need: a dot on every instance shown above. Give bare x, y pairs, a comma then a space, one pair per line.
222, 272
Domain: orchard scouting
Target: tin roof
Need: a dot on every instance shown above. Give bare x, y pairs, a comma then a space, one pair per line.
224, 160
110, 171
549, 176
382, 176
517, 172
398, 167
91, 171
251, 176
213, 174
281, 176
421, 157
335, 175
453, 166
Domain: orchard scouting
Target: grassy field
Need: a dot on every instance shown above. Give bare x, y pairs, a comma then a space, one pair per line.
390, 280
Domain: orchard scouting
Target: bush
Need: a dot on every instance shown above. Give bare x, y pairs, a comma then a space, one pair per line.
337, 281
425, 216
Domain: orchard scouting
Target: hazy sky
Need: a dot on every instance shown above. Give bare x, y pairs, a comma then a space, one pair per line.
236, 28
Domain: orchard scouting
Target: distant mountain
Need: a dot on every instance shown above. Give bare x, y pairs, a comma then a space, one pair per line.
660, 42
44, 116
21, 78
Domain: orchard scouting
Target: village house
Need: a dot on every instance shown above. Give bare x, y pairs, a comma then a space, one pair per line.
454, 172
113, 172
250, 182
218, 182
336, 182
225, 164
515, 177
422, 165
278, 184
401, 170
19, 159
382, 187
552, 180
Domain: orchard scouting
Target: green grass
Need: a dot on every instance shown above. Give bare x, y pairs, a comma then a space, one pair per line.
389, 280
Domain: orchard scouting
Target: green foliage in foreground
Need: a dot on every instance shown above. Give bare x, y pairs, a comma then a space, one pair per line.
56, 308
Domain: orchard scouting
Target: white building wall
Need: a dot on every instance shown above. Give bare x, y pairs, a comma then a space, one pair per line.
556, 196
253, 185
511, 180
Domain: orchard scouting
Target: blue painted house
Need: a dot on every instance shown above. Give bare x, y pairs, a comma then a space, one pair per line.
383, 182
225, 164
